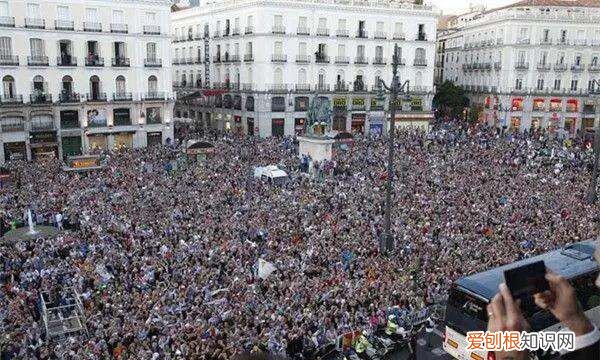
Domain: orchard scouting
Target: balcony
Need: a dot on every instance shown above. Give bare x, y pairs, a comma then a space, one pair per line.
499, 41
341, 87
120, 62
248, 57
227, 32
560, 67
487, 66
14, 99
96, 97
40, 98
278, 87
581, 42
9, 60
302, 87
153, 63
543, 67
362, 34
7, 21
234, 58
176, 61
235, 31
37, 61
64, 25
321, 59
379, 61
279, 58
523, 41
35, 23
198, 36
154, 95
151, 29
94, 61
247, 86
119, 28
198, 60
322, 87
380, 35
577, 67
341, 33
66, 60
249, 30
546, 42
361, 60
322, 32
216, 59
594, 68
421, 37
68, 97
216, 34
420, 62
278, 29
401, 61
92, 26
522, 66
44, 125
122, 96
302, 30
359, 87
342, 60
303, 59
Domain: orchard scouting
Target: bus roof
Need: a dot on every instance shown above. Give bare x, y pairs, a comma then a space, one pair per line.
570, 261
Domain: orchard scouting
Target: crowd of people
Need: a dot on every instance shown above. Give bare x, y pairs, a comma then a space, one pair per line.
165, 258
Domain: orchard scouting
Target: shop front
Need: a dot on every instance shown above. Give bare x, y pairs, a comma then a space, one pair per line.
44, 145
71, 146
299, 126
238, 127
554, 122
98, 142
515, 123
517, 104
376, 122
587, 124
301, 103
121, 117
572, 106
570, 125
377, 104
416, 104
556, 105
250, 126
413, 120
536, 122
153, 138
69, 119
124, 140
358, 123
538, 104
277, 127
15, 151
340, 114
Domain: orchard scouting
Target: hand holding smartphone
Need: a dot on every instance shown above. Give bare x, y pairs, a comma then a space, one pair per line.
527, 280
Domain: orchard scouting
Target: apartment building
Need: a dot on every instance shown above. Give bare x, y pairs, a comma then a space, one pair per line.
257, 66
83, 75
532, 64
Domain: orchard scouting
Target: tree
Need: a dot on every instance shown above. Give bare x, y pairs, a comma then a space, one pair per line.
474, 114
450, 100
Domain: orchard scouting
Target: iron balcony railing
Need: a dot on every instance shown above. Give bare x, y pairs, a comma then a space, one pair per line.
122, 96
522, 65
120, 62
303, 59
361, 60
322, 32
342, 33
69, 97
379, 61
100, 96
66, 60
278, 29
249, 30
40, 98
362, 34
12, 99
7, 21
35, 23
560, 67
64, 25
278, 58
302, 87
322, 87
342, 60
152, 62
151, 29
303, 30
399, 36
248, 57
380, 35
340, 87
119, 28
9, 60
94, 61
91, 26
420, 62
154, 95
38, 61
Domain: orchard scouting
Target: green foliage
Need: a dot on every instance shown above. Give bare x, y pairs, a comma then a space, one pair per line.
474, 114
450, 100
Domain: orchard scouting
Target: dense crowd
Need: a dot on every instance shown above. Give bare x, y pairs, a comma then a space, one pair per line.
164, 257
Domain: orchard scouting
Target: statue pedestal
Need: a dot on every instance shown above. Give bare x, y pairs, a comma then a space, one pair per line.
317, 148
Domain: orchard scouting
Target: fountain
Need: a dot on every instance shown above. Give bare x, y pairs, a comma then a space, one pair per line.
30, 222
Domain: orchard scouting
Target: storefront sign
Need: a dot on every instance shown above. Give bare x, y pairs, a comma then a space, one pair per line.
358, 103
43, 137
84, 162
416, 104
377, 104
339, 103
96, 117
397, 103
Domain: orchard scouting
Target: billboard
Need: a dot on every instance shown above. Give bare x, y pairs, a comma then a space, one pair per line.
96, 117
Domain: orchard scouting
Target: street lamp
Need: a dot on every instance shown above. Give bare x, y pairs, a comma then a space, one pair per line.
591, 195
395, 88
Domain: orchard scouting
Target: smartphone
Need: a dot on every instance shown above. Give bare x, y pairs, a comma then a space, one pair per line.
526, 280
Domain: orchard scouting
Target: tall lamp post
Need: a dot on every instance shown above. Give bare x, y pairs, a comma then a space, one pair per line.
395, 88
591, 195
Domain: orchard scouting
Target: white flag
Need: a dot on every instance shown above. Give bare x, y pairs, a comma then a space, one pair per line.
265, 269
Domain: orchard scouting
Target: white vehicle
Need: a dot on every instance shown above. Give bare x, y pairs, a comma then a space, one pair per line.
271, 173
469, 296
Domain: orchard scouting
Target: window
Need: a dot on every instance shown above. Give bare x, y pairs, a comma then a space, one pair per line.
91, 14
151, 51
250, 21
379, 53
398, 28
33, 11
322, 23
37, 48
278, 76
5, 48
302, 48
544, 58
546, 35
63, 13
278, 48
519, 84
557, 84
120, 85
540, 84
420, 54
38, 84
152, 84
67, 84
249, 48
563, 36
302, 23
4, 8
342, 24
302, 76
521, 57
151, 18
561, 58
341, 50
8, 86
278, 20
578, 60
574, 84
118, 17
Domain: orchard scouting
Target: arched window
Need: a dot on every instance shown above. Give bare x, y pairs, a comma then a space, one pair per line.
418, 80
38, 84
120, 84
302, 76
278, 76
67, 84
340, 80
8, 86
192, 79
95, 93
183, 79
151, 51
420, 55
376, 81
190, 33
152, 84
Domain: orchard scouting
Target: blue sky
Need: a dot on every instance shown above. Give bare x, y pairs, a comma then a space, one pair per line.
458, 6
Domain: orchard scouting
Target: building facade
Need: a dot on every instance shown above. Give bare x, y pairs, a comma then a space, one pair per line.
258, 65
83, 75
533, 64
